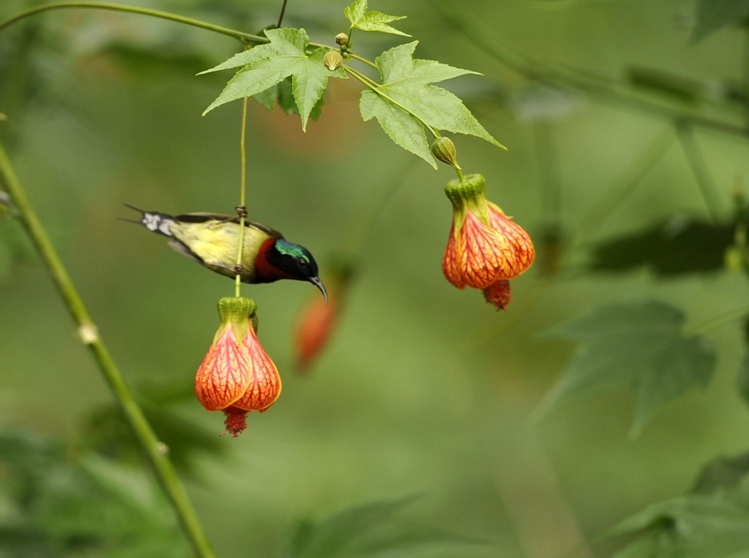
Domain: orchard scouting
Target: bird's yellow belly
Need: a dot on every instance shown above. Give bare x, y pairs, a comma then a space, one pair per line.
216, 243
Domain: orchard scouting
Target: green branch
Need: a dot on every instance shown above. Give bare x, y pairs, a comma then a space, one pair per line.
246, 37
155, 451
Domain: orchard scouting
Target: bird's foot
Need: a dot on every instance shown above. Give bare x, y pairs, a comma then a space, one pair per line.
241, 211
238, 269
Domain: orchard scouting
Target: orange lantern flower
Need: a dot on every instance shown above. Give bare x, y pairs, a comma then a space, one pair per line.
485, 248
236, 375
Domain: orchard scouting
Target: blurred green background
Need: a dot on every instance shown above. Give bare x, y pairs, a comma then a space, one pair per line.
424, 390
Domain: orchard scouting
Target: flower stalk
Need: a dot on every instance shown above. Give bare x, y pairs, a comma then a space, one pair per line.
153, 449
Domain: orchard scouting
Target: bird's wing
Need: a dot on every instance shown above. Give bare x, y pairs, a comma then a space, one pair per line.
204, 217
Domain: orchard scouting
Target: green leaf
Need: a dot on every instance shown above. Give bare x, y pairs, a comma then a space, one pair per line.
405, 130
284, 95
364, 531
406, 89
724, 472
679, 246
265, 66
365, 20
713, 14
640, 345
694, 526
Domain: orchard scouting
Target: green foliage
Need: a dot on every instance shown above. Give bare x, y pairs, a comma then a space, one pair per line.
713, 14
371, 20
406, 101
283, 95
368, 530
710, 522
14, 245
106, 432
678, 246
265, 66
57, 505
743, 378
639, 344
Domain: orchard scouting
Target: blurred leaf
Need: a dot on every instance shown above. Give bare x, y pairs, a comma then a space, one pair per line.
640, 345
723, 472
91, 506
678, 246
264, 66
406, 83
695, 526
371, 20
366, 530
714, 14
106, 432
743, 379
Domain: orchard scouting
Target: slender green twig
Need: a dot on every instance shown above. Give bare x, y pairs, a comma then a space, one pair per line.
155, 451
247, 37
362, 59
617, 193
545, 73
699, 169
719, 321
377, 88
242, 198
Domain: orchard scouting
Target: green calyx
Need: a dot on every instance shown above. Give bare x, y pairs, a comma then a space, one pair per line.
468, 194
237, 312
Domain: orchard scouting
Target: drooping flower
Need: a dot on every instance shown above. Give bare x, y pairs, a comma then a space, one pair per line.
236, 375
318, 320
485, 248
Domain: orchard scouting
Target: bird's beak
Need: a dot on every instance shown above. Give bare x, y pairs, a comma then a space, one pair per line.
316, 281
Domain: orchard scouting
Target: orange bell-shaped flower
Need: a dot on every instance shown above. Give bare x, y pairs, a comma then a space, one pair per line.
236, 375
485, 246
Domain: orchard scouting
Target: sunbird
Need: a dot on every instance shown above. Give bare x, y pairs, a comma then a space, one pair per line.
212, 240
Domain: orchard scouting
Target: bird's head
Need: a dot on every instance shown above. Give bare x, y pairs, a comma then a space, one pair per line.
292, 261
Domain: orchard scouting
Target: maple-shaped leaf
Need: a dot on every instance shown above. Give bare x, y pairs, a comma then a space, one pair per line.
371, 20
264, 66
713, 14
406, 99
640, 345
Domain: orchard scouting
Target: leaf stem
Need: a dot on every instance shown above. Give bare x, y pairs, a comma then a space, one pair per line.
362, 59
155, 451
246, 37
242, 197
377, 88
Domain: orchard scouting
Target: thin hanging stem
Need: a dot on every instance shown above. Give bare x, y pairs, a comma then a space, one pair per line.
242, 209
283, 11
246, 37
155, 451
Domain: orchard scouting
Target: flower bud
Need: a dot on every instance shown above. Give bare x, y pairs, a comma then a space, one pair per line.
341, 39
332, 60
444, 149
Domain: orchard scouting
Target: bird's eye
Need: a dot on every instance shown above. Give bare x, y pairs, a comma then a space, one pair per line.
302, 262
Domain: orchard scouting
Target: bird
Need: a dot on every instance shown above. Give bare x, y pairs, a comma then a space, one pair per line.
212, 240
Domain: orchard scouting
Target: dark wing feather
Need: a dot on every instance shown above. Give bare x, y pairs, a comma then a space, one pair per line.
204, 217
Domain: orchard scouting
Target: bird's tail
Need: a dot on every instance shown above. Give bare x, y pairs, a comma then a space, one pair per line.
152, 220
